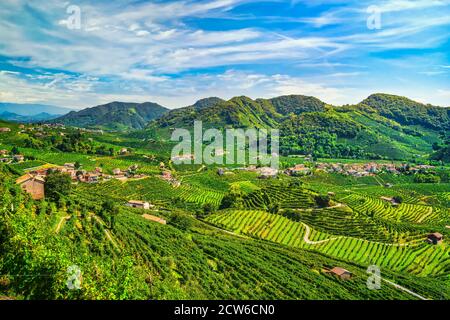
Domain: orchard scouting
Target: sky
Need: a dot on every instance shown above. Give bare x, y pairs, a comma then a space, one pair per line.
79, 54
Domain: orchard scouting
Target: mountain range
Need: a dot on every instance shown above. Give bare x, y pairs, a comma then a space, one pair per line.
40, 117
29, 112
381, 127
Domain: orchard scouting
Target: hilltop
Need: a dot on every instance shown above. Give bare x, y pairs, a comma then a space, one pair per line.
115, 115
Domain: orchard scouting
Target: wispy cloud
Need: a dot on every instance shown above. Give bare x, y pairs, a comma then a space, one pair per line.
177, 50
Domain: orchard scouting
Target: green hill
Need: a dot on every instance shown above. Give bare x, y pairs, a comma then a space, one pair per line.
114, 115
408, 112
381, 127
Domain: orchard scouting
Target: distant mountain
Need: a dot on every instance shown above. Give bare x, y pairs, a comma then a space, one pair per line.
14, 117
380, 127
26, 109
114, 115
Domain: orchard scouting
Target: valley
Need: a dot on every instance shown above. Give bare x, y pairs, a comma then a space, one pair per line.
358, 186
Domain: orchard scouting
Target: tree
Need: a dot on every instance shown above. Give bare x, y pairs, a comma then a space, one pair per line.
274, 208
57, 185
77, 165
182, 222
322, 200
109, 212
208, 208
15, 150
227, 201
232, 199
397, 199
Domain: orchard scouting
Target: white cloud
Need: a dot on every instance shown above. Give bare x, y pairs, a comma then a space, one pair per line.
134, 46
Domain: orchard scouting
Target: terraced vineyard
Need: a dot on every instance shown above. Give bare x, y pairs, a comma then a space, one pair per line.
415, 256
382, 209
151, 189
199, 196
286, 197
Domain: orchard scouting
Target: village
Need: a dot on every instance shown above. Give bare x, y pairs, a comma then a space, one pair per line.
33, 181
355, 170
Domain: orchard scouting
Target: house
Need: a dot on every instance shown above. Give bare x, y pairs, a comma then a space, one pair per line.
3, 152
4, 129
34, 185
69, 165
267, 172
331, 194
182, 158
123, 151
388, 199
139, 204
298, 170
166, 175
341, 273
133, 167
117, 171
434, 238
91, 177
18, 158
21, 126
154, 218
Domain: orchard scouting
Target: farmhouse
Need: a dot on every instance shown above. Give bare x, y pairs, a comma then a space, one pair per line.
3, 152
434, 238
298, 170
3, 129
184, 157
341, 273
91, 177
139, 204
391, 200
34, 185
117, 172
69, 165
267, 172
154, 218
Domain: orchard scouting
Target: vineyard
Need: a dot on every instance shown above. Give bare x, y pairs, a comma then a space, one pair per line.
285, 196
404, 212
228, 234
414, 256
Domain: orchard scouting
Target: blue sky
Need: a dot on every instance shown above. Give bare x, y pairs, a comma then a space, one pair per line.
175, 52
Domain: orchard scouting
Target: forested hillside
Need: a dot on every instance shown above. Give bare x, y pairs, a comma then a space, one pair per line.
381, 127
114, 115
